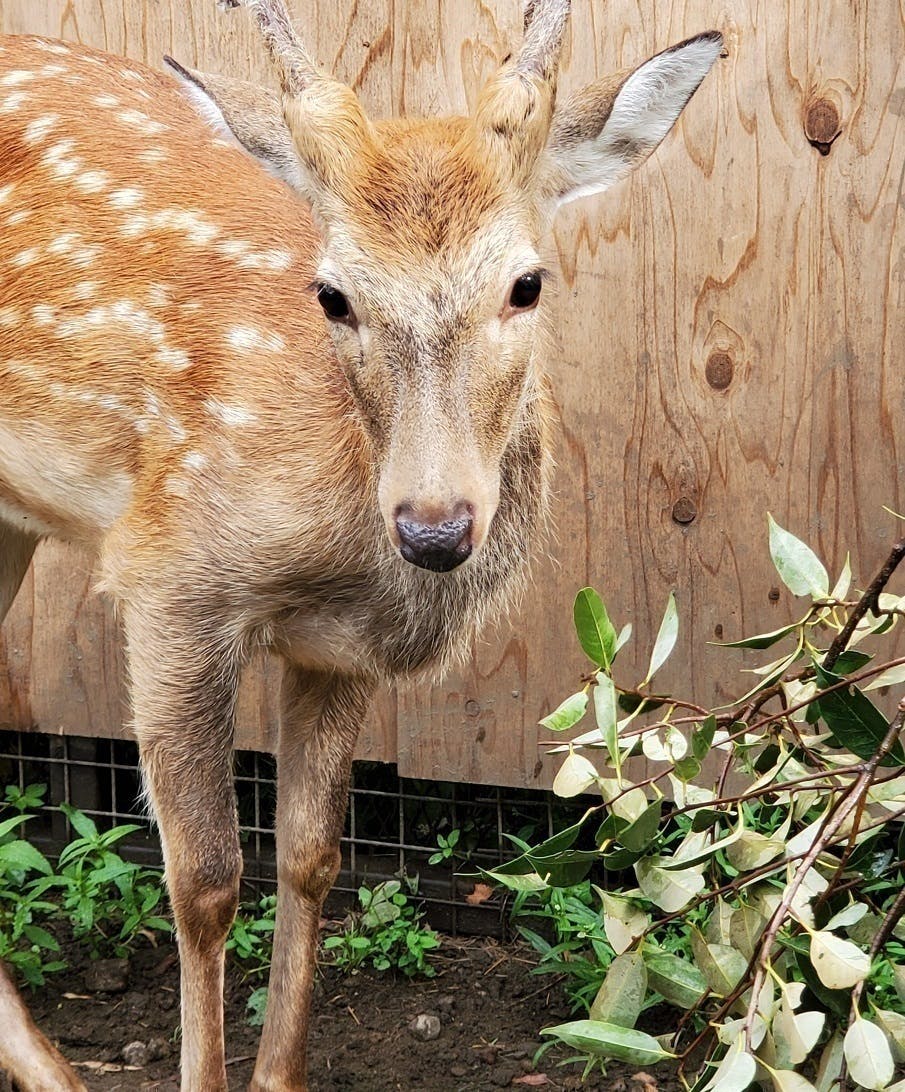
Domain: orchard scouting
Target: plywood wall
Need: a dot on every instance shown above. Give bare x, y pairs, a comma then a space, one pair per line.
730, 341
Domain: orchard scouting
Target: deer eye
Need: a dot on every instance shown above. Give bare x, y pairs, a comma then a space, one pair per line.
334, 303
525, 292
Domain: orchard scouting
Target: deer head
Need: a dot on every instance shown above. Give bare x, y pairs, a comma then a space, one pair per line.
429, 274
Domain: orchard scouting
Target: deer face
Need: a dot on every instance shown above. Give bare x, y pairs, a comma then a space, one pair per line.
430, 276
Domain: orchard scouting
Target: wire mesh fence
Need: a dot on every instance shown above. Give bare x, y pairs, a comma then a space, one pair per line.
392, 823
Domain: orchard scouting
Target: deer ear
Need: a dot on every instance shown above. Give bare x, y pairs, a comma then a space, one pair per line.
250, 115
606, 129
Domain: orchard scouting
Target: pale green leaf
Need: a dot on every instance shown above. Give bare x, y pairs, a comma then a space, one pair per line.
830, 1065
675, 979
671, 891
785, 1080
735, 1072
795, 1034
798, 566
851, 914
622, 992
839, 963
624, 635
894, 676
606, 716
745, 928
893, 1025
868, 1055
568, 713
623, 922
575, 776
840, 588
610, 1041
721, 965
753, 850
666, 638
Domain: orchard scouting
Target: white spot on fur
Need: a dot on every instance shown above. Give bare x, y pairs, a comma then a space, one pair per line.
190, 225
6, 192
152, 155
248, 339
50, 47
178, 359
38, 129
126, 198
9, 317
229, 414
44, 314
92, 181
18, 217
13, 102
276, 261
138, 119
25, 257
52, 70
132, 74
108, 101
84, 290
194, 460
17, 76
159, 295
63, 243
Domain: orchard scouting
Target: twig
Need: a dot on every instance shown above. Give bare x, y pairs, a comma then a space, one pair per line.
833, 822
868, 600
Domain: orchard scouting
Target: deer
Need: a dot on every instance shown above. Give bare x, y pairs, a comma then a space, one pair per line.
283, 369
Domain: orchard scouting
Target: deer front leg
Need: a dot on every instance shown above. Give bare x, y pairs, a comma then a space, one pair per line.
321, 717
184, 687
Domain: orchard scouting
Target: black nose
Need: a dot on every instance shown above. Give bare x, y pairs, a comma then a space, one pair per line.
435, 546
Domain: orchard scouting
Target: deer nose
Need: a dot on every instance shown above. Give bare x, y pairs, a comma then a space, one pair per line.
435, 546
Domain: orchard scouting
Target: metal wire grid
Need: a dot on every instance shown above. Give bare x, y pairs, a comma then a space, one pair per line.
392, 823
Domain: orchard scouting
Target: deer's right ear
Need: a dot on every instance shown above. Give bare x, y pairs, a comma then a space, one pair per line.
250, 115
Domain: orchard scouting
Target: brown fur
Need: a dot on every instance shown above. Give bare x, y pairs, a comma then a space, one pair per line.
172, 398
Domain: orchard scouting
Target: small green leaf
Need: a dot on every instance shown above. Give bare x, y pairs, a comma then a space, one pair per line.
596, 633
568, 713
676, 980
666, 638
798, 566
702, 738
83, 826
610, 1041
854, 719
671, 891
575, 776
760, 640
623, 922
642, 833
21, 856
839, 963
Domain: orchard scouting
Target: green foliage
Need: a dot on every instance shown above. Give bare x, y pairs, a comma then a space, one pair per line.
251, 936
768, 911
446, 847
387, 932
106, 900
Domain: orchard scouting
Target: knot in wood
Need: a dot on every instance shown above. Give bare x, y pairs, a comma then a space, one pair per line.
684, 510
822, 124
719, 369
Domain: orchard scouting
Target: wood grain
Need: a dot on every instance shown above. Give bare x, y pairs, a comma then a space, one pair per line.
730, 342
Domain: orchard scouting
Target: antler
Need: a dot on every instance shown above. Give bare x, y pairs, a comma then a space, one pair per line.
295, 68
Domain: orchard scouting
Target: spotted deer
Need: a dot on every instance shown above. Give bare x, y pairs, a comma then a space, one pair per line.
302, 407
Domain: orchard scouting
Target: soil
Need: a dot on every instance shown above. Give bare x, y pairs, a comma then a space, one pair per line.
489, 1005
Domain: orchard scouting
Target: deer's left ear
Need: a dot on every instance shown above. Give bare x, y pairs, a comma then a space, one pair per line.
606, 129
246, 113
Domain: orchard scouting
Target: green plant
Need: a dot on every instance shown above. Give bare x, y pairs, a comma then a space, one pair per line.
251, 936
24, 943
754, 879
386, 932
446, 847
106, 900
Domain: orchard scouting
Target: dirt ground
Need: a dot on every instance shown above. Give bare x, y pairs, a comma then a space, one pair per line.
489, 1005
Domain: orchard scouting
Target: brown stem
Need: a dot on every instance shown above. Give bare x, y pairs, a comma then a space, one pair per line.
870, 599
833, 822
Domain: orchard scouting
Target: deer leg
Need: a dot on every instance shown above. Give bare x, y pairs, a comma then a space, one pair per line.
25, 1054
321, 717
184, 684
16, 548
